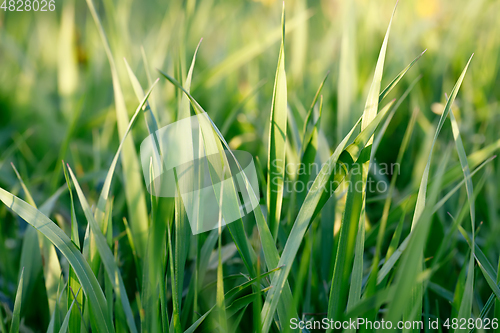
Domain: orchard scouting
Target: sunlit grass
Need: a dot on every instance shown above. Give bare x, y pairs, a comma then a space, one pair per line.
320, 87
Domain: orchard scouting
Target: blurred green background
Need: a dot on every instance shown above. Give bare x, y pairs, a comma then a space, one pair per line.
56, 93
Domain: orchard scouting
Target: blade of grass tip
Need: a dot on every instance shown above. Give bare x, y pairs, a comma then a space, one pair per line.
101, 205
150, 81
372, 100
277, 140
306, 129
423, 184
396, 80
421, 198
390, 261
149, 116
182, 229
134, 191
371, 285
467, 297
309, 155
65, 323
16, 315
357, 273
106, 255
329, 174
345, 249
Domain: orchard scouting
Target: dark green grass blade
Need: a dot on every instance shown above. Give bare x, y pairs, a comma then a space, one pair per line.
87, 279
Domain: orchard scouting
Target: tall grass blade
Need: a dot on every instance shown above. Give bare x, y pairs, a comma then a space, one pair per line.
277, 140
62, 242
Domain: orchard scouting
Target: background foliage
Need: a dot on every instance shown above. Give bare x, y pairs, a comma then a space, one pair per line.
59, 100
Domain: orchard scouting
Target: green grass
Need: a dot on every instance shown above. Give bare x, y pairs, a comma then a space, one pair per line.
340, 85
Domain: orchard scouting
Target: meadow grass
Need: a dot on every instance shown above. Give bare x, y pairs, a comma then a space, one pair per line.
327, 97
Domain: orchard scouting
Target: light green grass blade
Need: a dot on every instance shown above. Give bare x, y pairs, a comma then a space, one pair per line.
411, 263
277, 140
103, 198
87, 279
311, 204
372, 100
134, 191
106, 255
398, 78
344, 255
16, 315
467, 297
423, 184
75, 318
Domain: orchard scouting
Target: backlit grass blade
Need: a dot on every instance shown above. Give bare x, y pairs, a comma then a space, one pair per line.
411, 263
134, 191
395, 255
423, 184
106, 255
346, 245
277, 140
307, 211
45, 250
372, 100
307, 122
467, 298
396, 80
101, 205
87, 279
16, 315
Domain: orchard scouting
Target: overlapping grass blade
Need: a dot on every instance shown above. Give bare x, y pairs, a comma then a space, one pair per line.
311, 204
87, 279
134, 191
467, 297
105, 253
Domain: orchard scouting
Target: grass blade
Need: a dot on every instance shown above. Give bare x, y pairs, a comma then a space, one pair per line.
16, 315
87, 279
277, 140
